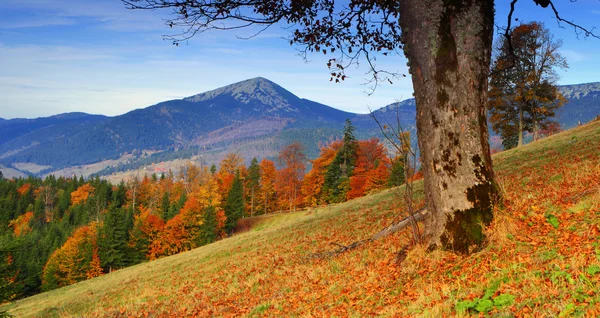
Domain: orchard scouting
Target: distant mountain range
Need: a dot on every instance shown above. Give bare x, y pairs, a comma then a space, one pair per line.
255, 117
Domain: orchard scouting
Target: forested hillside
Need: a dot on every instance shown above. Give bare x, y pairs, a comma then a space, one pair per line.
57, 231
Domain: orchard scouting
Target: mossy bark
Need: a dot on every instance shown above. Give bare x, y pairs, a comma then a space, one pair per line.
448, 44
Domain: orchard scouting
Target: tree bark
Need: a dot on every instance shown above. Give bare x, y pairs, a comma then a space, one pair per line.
448, 44
521, 126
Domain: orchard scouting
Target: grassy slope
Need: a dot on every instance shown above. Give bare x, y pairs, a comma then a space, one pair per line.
544, 270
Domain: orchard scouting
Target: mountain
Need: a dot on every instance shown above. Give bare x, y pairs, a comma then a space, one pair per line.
255, 117
14, 128
583, 104
248, 110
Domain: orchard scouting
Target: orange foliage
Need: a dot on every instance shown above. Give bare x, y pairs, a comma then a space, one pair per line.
147, 228
267, 196
315, 178
231, 163
24, 188
372, 168
180, 232
81, 194
221, 219
95, 268
289, 179
20, 225
75, 261
148, 193
416, 176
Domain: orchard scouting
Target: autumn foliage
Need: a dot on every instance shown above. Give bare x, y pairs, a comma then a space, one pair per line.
75, 261
108, 227
81, 194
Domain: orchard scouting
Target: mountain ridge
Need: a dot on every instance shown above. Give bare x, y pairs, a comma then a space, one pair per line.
255, 110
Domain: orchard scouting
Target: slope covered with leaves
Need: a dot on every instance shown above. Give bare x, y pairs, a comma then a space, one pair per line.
542, 257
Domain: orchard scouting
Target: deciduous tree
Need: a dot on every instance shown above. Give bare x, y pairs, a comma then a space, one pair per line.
523, 95
289, 178
268, 194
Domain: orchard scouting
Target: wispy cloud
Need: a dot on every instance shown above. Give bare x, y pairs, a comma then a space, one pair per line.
36, 23
573, 56
110, 15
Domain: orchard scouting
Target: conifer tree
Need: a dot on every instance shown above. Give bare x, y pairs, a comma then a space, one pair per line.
113, 240
337, 177
234, 206
397, 173
209, 226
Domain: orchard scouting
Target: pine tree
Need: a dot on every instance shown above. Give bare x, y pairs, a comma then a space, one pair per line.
397, 177
113, 240
209, 226
234, 206
337, 181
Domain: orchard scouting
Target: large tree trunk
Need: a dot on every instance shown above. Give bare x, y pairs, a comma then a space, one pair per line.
448, 44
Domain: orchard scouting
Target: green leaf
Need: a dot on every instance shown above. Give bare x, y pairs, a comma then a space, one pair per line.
465, 305
504, 300
484, 305
593, 269
552, 220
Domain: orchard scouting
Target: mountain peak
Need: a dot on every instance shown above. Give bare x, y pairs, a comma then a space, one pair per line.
257, 90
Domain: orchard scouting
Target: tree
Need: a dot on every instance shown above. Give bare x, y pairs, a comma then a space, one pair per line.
314, 180
268, 194
396, 177
8, 270
337, 177
371, 171
523, 95
81, 194
289, 178
75, 261
253, 182
113, 239
210, 227
234, 206
448, 45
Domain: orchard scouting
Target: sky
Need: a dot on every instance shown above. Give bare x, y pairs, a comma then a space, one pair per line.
97, 57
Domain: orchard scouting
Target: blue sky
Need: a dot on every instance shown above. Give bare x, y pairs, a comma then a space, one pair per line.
95, 56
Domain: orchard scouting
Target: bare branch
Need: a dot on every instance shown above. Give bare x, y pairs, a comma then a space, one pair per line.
578, 28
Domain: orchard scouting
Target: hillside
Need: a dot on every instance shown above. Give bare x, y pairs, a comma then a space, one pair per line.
542, 258
255, 117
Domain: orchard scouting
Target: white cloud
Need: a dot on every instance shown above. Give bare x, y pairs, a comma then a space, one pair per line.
44, 80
